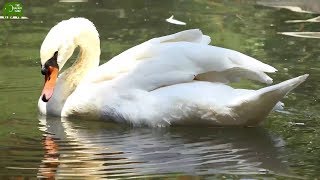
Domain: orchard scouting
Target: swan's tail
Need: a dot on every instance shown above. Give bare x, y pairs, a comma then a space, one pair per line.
254, 107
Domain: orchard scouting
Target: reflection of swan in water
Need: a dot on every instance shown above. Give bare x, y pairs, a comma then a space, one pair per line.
99, 149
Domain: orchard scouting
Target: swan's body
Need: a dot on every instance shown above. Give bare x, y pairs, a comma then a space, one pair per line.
175, 79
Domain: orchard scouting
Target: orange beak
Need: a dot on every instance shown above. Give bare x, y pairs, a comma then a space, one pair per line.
49, 83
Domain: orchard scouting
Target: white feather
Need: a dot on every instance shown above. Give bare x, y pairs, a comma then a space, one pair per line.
174, 21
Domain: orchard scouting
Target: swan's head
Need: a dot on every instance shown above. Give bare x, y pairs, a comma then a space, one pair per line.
58, 47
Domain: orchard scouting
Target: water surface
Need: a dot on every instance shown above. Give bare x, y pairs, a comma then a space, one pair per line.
286, 146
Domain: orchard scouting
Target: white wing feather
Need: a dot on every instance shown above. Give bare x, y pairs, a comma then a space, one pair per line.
179, 58
127, 60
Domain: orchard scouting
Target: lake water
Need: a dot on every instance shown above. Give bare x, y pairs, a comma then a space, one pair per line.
285, 146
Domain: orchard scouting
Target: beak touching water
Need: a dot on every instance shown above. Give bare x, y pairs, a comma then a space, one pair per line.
50, 79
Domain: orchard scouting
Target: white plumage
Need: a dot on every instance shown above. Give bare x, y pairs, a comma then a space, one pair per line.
174, 79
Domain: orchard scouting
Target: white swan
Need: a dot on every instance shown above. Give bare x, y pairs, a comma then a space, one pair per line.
174, 79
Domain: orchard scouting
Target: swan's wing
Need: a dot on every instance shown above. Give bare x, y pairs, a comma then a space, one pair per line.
192, 35
178, 58
141, 51
127, 60
179, 62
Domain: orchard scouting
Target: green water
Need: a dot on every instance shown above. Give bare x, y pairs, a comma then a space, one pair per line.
31, 146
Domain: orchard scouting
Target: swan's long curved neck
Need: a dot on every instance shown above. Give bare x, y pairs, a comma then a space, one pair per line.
89, 54
68, 81
87, 60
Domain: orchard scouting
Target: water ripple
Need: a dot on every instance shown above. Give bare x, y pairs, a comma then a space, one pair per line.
79, 149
